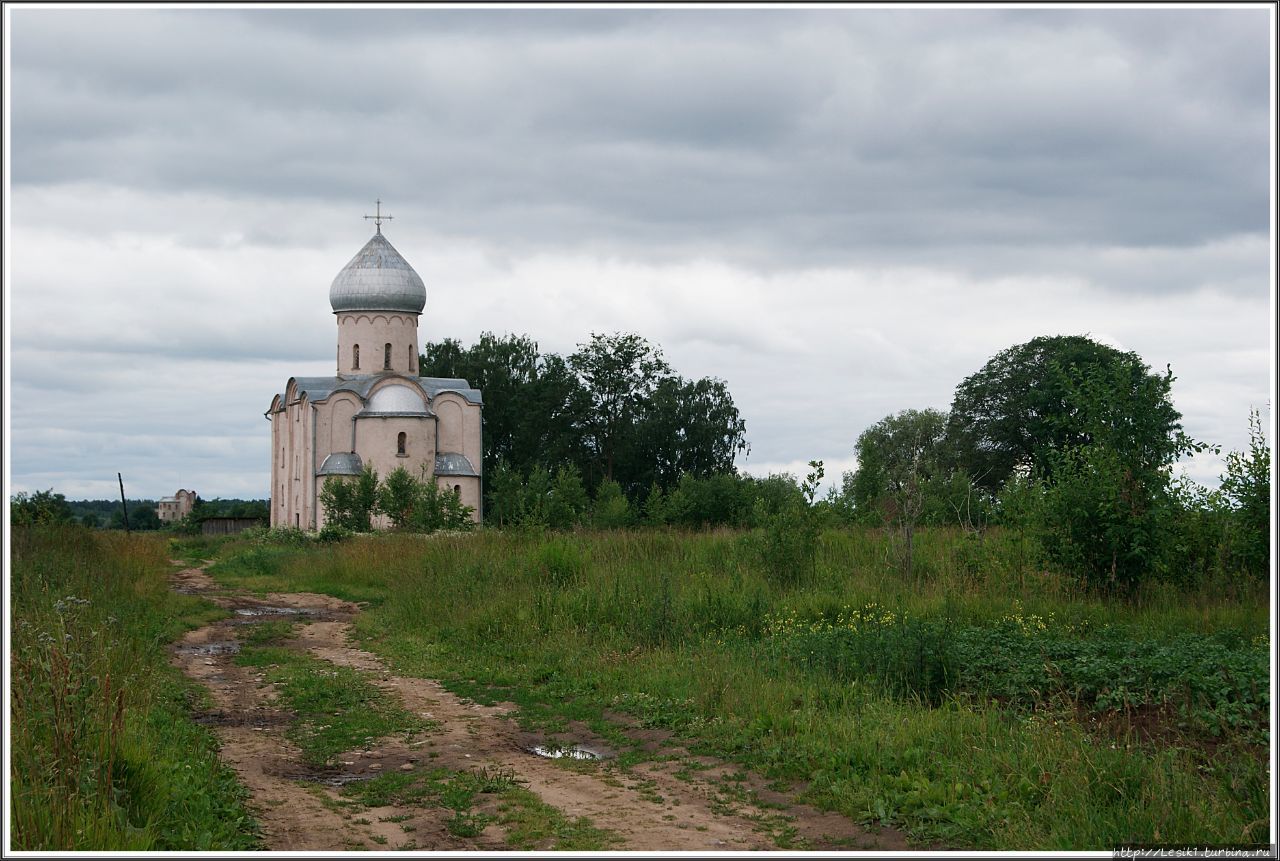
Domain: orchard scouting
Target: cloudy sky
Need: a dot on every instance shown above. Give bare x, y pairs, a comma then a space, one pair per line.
840, 212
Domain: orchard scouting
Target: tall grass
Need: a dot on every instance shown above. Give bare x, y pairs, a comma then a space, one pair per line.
940, 717
104, 755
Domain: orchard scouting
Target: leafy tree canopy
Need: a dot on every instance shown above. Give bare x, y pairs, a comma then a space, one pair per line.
1022, 408
613, 409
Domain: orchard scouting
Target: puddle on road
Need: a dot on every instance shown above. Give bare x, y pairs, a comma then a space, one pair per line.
225, 647
274, 611
255, 720
573, 752
334, 780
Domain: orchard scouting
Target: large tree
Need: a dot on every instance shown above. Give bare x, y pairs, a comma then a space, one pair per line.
689, 427
620, 374
614, 409
1106, 513
1020, 411
901, 472
897, 457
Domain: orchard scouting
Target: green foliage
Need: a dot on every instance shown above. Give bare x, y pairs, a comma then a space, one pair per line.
331, 532
610, 510
613, 409
619, 374
787, 543
206, 509
41, 507
1246, 486
436, 508
1106, 512
905, 477
897, 458
103, 752
350, 502
413, 504
654, 509
1097, 521
398, 496
505, 495
1029, 660
1021, 410
142, 517
567, 501
688, 428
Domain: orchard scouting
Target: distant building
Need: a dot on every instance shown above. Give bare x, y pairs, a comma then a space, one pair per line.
171, 509
377, 411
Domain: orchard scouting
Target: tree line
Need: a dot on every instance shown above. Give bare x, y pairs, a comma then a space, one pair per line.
1073, 443
1068, 441
46, 506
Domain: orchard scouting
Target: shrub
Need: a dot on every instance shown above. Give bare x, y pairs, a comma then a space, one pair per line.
611, 510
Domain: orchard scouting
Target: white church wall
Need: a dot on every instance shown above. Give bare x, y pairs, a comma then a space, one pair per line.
336, 426
372, 332
449, 417
377, 444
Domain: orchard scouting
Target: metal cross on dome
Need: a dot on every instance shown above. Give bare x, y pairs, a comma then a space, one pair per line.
379, 218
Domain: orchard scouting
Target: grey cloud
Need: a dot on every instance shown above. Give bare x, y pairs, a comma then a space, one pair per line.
186, 183
850, 136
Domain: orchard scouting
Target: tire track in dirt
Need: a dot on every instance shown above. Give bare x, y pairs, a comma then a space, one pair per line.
654, 806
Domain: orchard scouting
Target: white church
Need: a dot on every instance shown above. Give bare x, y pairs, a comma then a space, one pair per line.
376, 411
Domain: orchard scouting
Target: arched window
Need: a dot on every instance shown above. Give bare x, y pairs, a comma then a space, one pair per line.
400, 443
386, 358
355, 357
457, 490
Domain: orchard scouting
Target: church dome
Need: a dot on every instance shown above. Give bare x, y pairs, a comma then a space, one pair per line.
396, 399
378, 279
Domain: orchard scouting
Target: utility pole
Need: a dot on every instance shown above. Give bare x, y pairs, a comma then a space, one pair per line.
123, 505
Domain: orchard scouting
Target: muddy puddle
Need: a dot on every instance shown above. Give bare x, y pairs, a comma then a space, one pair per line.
549, 751
221, 647
258, 611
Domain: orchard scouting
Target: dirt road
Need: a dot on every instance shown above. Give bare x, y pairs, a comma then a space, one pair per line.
673, 802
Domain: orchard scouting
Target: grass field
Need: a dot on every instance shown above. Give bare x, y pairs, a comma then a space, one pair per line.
104, 754
979, 704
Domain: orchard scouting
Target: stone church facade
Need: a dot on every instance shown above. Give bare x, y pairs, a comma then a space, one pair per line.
376, 410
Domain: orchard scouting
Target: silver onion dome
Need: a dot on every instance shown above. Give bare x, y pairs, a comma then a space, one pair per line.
378, 279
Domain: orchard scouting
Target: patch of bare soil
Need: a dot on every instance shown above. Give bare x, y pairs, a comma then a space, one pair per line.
690, 804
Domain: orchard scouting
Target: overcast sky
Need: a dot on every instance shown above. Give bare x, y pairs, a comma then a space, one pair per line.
840, 212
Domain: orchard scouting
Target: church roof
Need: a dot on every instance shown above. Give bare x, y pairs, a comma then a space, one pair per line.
320, 388
341, 463
452, 463
378, 279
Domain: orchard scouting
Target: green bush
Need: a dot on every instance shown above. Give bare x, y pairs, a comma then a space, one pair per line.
611, 510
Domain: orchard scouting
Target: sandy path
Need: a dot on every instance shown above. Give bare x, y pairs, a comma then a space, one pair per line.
650, 807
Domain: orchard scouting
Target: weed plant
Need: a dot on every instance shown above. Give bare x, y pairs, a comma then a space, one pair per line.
104, 753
